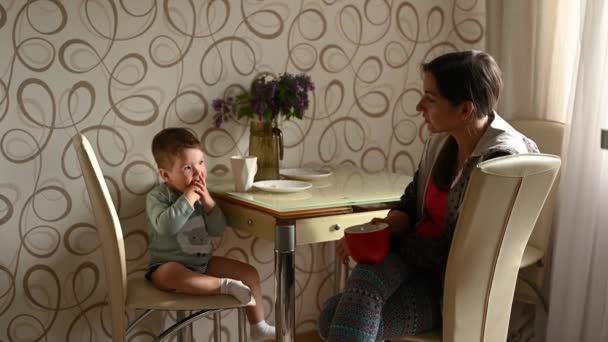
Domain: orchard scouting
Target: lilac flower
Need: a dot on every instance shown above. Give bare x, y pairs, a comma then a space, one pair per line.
285, 95
224, 110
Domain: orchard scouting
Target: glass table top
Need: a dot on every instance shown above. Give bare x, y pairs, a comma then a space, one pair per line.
346, 186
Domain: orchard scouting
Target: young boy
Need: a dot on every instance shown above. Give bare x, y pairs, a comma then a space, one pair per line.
183, 217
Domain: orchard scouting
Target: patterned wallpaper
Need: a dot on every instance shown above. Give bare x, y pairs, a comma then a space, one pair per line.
119, 71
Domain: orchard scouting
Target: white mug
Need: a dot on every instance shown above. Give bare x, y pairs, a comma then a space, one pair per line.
243, 171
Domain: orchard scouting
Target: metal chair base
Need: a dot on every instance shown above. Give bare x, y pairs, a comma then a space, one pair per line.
181, 323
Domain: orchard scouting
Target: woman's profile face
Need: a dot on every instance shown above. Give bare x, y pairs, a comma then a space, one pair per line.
440, 115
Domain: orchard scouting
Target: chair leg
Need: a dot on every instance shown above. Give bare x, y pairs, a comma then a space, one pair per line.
184, 322
537, 292
217, 327
138, 319
242, 321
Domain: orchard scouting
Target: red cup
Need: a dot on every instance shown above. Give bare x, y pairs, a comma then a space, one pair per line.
368, 243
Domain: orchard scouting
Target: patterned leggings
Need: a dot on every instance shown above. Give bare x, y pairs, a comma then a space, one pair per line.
380, 302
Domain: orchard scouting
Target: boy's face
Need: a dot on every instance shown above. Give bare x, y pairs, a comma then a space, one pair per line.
188, 166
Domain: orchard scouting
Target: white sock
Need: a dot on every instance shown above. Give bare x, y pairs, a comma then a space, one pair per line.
236, 289
261, 331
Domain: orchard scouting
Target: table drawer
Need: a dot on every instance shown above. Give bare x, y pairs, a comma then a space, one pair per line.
321, 229
255, 222
308, 230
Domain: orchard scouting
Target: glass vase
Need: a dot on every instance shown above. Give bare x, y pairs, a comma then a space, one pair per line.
266, 143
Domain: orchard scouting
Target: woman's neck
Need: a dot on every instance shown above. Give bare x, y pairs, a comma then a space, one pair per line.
468, 137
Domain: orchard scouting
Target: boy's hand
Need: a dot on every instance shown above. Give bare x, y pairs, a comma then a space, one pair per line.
191, 194
201, 189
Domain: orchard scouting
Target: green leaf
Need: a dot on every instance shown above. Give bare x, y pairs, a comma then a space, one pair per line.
245, 111
267, 115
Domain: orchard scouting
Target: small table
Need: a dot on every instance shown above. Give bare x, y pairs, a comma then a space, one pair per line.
347, 197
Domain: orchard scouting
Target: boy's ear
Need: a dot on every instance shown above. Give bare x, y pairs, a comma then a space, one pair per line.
164, 174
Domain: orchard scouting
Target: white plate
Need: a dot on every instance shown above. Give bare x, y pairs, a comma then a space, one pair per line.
282, 185
304, 174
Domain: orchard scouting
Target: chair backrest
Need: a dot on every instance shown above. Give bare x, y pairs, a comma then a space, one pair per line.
501, 204
549, 136
109, 232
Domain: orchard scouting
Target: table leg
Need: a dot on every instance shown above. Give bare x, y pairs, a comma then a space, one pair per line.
341, 271
184, 334
285, 295
242, 321
340, 275
217, 327
344, 275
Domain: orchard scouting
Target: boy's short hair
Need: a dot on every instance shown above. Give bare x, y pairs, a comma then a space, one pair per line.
169, 142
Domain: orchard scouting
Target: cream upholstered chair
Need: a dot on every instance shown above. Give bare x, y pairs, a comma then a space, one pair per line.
502, 202
549, 136
138, 293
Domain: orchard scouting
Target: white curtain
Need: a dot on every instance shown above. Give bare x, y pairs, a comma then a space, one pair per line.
579, 282
554, 57
528, 43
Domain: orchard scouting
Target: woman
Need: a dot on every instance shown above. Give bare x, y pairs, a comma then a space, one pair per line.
402, 295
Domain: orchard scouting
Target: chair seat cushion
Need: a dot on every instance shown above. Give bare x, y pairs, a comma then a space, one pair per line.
141, 294
532, 255
431, 336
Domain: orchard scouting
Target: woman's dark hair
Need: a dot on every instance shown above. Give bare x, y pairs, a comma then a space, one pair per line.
467, 76
444, 170
463, 76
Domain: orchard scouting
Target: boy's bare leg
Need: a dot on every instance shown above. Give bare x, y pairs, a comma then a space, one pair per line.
221, 267
174, 277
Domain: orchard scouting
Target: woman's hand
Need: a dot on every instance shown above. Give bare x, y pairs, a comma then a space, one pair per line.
377, 220
398, 221
342, 252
